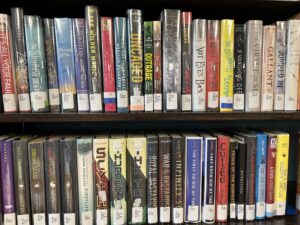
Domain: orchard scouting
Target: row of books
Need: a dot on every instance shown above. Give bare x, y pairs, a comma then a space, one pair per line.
139, 178
124, 64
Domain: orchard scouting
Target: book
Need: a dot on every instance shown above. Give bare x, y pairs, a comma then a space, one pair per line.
148, 65
135, 57
232, 199
199, 65
280, 64
101, 178
292, 65
226, 65
253, 46
193, 177
164, 176
157, 67
268, 67
36, 59
50, 53
20, 59
121, 63
171, 59
7, 69
298, 178
186, 60
93, 58
213, 65
136, 162
1, 103
65, 63
117, 172
109, 82
80, 58
84, 145
239, 68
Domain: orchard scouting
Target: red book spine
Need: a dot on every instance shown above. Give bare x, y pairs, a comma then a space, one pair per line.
222, 178
109, 82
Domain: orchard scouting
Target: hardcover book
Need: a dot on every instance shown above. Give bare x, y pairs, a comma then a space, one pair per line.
157, 66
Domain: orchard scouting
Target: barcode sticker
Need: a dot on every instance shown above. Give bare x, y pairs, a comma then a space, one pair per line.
164, 214
279, 102
238, 101
260, 209
87, 218
9, 219
95, 102
38, 100
118, 217
172, 103
67, 100
209, 214
9, 103
158, 102
39, 219
83, 101
221, 212
280, 209
254, 100
186, 102
137, 214
152, 215
101, 217
213, 99
69, 219
270, 208
149, 103
240, 212
267, 102
250, 212
24, 102
232, 211
137, 103
297, 203
53, 219
23, 219
177, 215
54, 96
198, 103
122, 99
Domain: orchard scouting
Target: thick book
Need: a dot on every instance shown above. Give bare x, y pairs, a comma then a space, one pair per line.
253, 51
93, 58
52, 180
148, 65
280, 63
136, 160
268, 66
20, 59
108, 65
199, 66
226, 65
232, 195
193, 177
7, 68
81, 71
37, 180
157, 67
164, 174
186, 60
101, 178
117, 172
152, 178
121, 63
50, 51
213, 65
171, 59
135, 58
65, 63
239, 68
36, 59
85, 179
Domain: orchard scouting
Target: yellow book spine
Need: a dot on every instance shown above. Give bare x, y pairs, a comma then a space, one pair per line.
281, 173
226, 65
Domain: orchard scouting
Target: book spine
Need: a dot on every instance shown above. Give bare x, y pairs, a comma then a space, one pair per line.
94, 58
54, 98
148, 65
253, 45
20, 59
222, 178
186, 60
281, 174
232, 180
171, 55
164, 174
292, 65
268, 66
152, 182
270, 173
80, 57
213, 65
7, 70
136, 180
121, 61
280, 65
239, 68
85, 180
109, 81
101, 180
135, 50
157, 69
199, 66
298, 178
241, 179
193, 159
36, 64
1, 103
37, 183
52, 179
117, 168
226, 65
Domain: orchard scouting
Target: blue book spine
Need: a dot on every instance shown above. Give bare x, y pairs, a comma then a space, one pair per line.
81, 65
36, 64
260, 176
65, 63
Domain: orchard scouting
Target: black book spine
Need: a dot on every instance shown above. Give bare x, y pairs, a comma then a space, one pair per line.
232, 179
1, 100
240, 179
